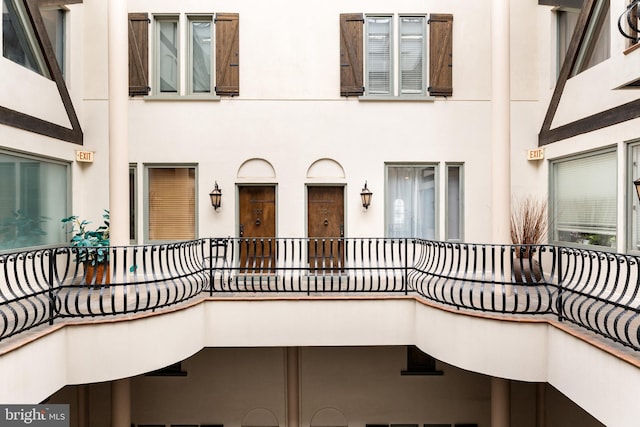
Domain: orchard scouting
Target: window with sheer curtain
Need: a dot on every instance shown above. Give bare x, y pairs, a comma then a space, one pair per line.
167, 45
385, 60
34, 197
200, 54
411, 201
171, 203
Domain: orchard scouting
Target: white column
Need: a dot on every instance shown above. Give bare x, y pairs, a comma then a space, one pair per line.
500, 402
500, 122
293, 386
121, 403
118, 122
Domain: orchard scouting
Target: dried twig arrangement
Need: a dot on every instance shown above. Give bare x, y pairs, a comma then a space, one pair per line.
529, 223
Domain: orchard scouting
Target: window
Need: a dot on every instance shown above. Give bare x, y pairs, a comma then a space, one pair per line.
420, 363
630, 23
596, 45
171, 203
633, 211
167, 55
453, 194
19, 43
382, 64
200, 54
34, 196
566, 20
411, 201
54, 22
190, 58
395, 59
133, 209
583, 208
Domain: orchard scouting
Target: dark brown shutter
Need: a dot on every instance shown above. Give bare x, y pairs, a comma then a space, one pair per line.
440, 55
138, 54
351, 73
227, 54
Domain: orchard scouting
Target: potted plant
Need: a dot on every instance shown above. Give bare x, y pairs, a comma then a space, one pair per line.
92, 246
529, 226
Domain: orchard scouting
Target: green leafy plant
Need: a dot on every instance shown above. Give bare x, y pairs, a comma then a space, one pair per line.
92, 243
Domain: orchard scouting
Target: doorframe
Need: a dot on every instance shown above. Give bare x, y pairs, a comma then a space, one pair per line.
306, 203
237, 204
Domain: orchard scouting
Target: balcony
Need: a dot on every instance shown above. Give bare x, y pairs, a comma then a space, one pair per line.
597, 292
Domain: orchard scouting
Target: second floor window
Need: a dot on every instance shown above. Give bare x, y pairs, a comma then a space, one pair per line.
383, 64
192, 55
396, 55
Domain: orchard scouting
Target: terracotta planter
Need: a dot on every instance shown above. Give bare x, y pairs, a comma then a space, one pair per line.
98, 274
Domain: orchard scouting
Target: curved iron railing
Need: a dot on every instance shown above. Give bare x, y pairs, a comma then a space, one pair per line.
596, 290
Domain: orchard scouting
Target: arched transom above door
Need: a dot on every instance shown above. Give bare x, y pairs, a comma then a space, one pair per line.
325, 168
256, 168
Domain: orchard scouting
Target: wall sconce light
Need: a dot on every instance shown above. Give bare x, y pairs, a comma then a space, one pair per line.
365, 195
216, 196
636, 184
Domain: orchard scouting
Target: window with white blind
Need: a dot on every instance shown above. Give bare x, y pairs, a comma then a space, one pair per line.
386, 58
411, 201
583, 208
171, 203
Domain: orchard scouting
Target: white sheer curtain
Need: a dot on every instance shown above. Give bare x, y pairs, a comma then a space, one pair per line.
411, 201
201, 56
168, 46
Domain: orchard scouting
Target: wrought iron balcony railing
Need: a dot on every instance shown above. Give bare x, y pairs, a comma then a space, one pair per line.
596, 290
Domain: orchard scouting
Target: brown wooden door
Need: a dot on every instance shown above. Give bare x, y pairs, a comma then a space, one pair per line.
257, 229
325, 228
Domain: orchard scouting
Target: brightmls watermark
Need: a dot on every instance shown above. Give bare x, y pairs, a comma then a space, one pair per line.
34, 415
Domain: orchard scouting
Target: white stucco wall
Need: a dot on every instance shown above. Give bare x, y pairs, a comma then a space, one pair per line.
517, 350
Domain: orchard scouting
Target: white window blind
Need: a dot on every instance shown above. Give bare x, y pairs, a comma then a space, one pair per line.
379, 55
411, 55
585, 196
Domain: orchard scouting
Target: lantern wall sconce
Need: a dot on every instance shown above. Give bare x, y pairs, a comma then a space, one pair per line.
365, 195
216, 196
636, 184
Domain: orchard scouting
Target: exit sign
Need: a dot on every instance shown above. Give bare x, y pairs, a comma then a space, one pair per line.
535, 154
84, 156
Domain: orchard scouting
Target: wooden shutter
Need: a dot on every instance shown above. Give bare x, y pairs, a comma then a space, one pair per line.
351, 69
227, 54
138, 54
440, 55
